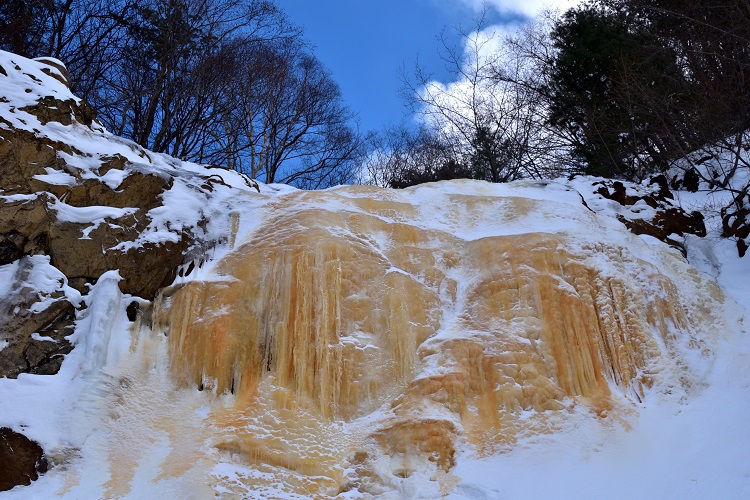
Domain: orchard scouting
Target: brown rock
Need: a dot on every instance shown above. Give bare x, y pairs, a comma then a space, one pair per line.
49, 109
734, 222
22, 156
26, 352
144, 269
668, 220
21, 459
24, 229
137, 190
30, 225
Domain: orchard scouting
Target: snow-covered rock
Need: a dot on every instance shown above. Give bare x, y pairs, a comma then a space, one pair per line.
89, 202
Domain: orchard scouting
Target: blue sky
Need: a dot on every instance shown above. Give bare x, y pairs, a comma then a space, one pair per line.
365, 42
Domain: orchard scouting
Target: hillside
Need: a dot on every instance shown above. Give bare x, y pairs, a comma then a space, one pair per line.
180, 330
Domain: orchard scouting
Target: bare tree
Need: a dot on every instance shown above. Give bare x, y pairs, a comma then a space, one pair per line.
164, 84
222, 81
401, 156
24, 25
286, 121
491, 114
85, 34
524, 71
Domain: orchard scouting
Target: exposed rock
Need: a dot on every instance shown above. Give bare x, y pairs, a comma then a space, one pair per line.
132, 310
65, 112
669, 222
619, 193
44, 352
689, 181
89, 209
10, 247
24, 229
144, 269
24, 155
668, 218
735, 224
139, 190
34, 322
30, 225
21, 459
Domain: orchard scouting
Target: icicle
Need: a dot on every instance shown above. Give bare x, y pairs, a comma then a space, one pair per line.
323, 316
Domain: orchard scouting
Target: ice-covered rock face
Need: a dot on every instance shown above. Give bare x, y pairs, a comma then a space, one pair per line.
365, 333
76, 202
355, 341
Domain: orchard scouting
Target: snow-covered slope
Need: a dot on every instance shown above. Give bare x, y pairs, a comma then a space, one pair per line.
457, 339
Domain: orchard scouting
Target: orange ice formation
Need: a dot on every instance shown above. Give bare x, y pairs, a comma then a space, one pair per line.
357, 336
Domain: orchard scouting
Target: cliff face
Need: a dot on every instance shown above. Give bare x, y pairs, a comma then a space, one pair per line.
166, 329
423, 321
76, 202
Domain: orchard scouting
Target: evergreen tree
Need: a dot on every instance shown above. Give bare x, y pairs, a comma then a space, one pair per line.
638, 84
606, 71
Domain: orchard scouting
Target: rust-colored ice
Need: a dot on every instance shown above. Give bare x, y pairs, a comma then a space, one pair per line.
354, 337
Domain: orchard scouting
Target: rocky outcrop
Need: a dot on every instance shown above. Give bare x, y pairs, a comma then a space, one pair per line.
688, 179
36, 316
48, 109
31, 222
21, 460
650, 210
735, 223
36, 219
75, 203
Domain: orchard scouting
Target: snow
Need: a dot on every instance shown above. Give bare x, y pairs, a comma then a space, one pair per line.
675, 450
693, 446
69, 213
39, 276
24, 84
56, 177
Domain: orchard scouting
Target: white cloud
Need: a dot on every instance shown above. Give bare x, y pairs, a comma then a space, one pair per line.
526, 7
474, 95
